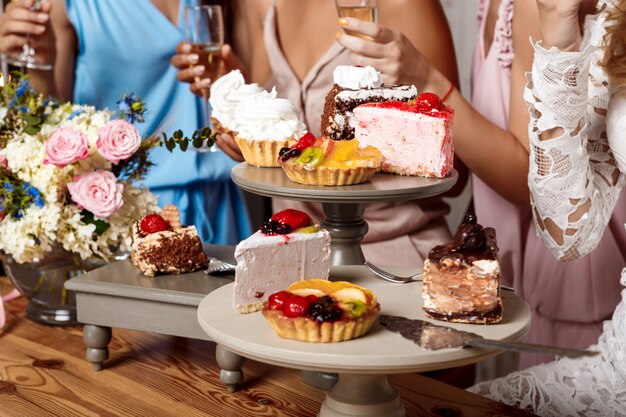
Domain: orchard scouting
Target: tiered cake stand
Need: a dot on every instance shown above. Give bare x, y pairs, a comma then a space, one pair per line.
343, 206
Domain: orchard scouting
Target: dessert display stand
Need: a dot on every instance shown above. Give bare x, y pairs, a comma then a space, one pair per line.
362, 388
119, 295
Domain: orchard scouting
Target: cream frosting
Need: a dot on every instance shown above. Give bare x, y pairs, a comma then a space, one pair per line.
263, 116
226, 93
356, 78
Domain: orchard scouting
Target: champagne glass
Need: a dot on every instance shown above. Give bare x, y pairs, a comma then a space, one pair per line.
205, 30
26, 59
360, 9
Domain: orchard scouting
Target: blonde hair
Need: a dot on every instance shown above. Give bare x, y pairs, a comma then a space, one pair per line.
614, 61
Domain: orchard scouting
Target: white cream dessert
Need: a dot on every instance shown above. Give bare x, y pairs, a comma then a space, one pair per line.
354, 86
226, 93
414, 139
462, 277
266, 124
287, 249
161, 245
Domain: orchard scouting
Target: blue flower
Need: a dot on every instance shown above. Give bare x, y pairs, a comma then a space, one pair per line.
131, 108
75, 113
38, 202
19, 214
31, 191
22, 88
8, 187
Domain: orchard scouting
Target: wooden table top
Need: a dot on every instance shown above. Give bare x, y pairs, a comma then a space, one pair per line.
43, 373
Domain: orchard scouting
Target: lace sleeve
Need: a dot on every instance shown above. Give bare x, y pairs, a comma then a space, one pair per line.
573, 179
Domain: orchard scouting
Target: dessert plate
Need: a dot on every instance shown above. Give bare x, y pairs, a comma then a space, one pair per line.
433, 337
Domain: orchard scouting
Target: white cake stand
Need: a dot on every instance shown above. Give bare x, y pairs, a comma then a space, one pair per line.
363, 364
343, 205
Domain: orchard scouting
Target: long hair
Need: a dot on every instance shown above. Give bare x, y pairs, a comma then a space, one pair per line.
614, 61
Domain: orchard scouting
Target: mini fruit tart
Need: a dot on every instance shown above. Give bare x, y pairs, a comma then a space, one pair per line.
324, 161
322, 311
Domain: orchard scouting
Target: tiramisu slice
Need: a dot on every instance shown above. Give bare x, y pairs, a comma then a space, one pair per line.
462, 277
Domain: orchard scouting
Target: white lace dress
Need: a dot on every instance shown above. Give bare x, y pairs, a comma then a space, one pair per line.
575, 183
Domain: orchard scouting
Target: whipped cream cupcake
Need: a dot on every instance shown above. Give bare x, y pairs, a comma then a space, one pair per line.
266, 124
226, 93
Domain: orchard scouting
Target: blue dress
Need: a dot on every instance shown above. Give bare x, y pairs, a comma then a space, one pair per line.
125, 46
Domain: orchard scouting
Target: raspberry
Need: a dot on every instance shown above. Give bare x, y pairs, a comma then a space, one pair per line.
296, 306
295, 219
305, 141
153, 223
277, 300
429, 100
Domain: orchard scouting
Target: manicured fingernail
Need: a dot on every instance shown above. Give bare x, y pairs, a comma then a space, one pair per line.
206, 82
40, 29
186, 47
199, 69
343, 22
192, 58
42, 17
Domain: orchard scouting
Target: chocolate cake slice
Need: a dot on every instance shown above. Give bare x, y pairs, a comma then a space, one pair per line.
462, 277
338, 121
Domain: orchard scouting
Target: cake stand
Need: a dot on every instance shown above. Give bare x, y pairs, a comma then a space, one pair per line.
363, 364
343, 205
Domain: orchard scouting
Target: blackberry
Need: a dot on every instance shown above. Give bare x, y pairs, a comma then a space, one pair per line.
283, 151
318, 306
291, 153
273, 227
333, 313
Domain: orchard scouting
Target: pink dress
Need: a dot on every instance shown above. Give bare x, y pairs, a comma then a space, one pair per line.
569, 300
400, 234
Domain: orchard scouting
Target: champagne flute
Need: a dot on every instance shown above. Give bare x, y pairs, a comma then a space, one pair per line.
360, 9
205, 30
26, 59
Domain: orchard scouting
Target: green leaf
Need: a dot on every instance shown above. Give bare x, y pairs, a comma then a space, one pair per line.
32, 130
197, 142
178, 134
88, 218
184, 144
170, 144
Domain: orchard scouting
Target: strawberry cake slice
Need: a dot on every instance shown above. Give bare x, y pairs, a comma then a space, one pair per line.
162, 246
414, 138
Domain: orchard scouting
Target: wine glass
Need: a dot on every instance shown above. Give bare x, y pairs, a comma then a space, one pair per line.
204, 27
26, 59
360, 9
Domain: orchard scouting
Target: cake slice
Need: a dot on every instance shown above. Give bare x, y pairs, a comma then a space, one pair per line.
161, 245
414, 138
354, 86
462, 277
288, 248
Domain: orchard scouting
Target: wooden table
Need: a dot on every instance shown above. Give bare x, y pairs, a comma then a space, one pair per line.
43, 373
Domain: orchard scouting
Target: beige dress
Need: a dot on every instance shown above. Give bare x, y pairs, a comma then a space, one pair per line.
400, 234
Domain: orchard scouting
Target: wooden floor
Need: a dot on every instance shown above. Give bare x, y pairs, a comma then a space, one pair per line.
43, 373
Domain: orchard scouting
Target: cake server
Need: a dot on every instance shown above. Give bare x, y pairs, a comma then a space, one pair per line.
431, 336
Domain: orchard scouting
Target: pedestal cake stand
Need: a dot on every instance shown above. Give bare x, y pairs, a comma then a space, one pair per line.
343, 205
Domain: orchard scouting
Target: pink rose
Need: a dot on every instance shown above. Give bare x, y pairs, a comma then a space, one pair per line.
66, 146
3, 161
118, 140
98, 192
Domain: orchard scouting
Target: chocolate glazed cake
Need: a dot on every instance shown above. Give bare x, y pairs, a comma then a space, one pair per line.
462, 277
338, 121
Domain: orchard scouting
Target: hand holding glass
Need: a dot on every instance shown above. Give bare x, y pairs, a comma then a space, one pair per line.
359, 9
205, 30
27, 58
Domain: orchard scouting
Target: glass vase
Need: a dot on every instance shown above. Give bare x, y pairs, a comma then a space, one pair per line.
42, 283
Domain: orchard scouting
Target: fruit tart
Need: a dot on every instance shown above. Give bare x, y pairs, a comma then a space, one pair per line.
161, 245
322, 311
322, 161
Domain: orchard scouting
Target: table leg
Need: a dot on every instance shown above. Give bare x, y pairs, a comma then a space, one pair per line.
230, 364
364, 396
344, 222
97, 340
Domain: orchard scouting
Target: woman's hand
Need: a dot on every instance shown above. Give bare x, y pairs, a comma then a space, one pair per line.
561, 22
226, 143
190, 70
387, 50
19, 22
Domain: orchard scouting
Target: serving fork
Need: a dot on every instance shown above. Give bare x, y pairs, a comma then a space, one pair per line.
392, 277
219, 266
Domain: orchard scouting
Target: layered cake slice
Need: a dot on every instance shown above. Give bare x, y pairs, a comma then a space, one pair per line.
161, 245
354, 86
288, 248
414, 138
462, 277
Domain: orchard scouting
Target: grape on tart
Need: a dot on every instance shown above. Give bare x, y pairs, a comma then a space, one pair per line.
161, 245
322, 311
322, 161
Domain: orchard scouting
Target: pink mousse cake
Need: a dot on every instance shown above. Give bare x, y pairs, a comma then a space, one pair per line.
288, 248
414, 138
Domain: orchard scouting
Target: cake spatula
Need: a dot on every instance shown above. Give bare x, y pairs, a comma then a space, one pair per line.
434, 337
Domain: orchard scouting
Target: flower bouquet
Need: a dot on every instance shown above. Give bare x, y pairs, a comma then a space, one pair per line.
67, 180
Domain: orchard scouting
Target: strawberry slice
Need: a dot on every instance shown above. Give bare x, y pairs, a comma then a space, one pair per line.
296, 306
429, 100
153, 223
277, 300
305, 141
295, 219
